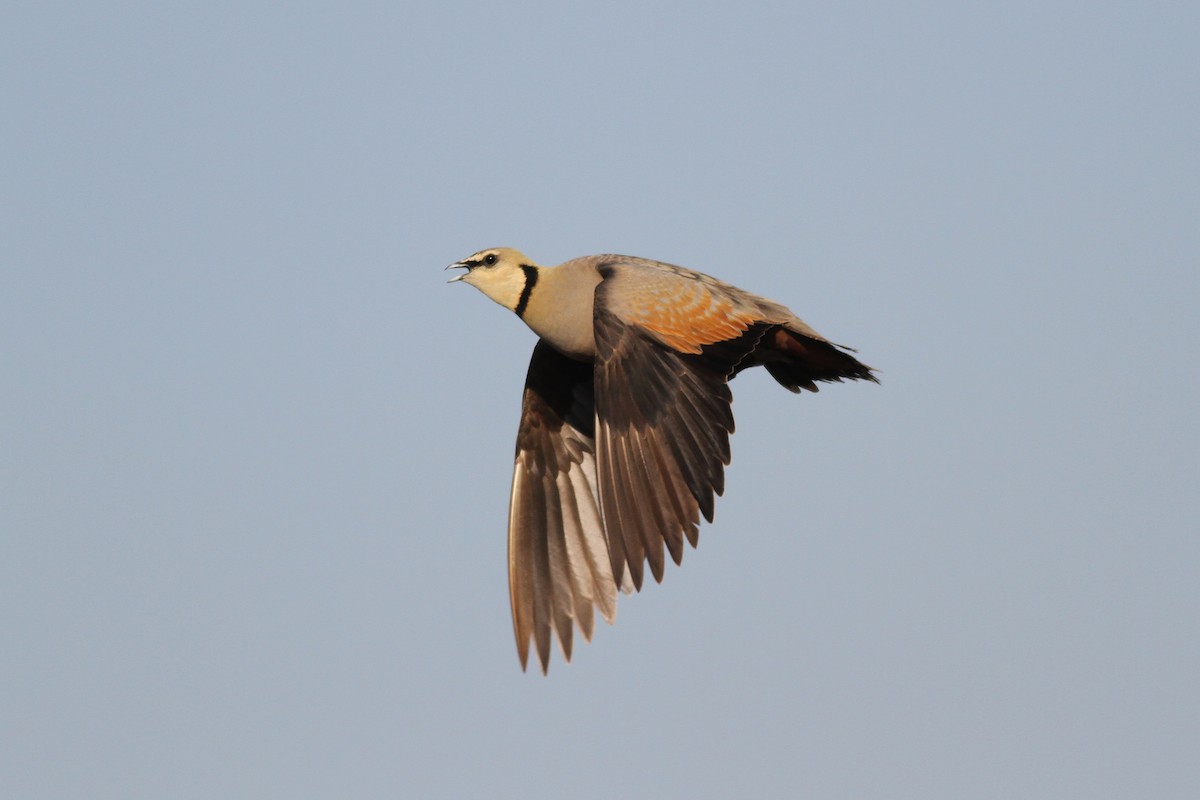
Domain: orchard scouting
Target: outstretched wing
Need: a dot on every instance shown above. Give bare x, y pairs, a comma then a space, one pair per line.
667, 341
558, 562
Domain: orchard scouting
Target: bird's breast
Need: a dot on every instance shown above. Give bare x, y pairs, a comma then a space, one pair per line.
560, 311
572, 335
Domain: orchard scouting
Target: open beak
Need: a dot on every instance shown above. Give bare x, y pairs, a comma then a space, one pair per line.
457, 265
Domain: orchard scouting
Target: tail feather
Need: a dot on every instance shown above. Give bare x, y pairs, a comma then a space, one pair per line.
798, 361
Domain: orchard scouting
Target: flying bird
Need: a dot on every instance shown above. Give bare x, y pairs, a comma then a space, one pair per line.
625, 421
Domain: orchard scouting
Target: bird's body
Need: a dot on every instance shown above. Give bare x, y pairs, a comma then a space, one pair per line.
625, 422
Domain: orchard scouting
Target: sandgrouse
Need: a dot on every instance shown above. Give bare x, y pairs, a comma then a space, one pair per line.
625, 421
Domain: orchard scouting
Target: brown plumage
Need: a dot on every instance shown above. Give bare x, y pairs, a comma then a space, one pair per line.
625, 421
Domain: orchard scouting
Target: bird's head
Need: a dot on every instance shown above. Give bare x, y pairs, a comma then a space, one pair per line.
501, 273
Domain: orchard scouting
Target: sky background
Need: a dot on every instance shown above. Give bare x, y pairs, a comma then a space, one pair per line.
255, 453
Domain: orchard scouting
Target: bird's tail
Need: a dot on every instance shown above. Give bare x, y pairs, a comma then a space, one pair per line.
799, 361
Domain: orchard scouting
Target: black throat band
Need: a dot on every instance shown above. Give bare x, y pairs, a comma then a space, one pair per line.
531, 274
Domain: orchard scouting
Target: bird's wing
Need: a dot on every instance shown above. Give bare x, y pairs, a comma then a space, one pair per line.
558, 563
667, 341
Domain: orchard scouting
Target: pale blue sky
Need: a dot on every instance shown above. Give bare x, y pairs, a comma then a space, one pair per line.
255, 454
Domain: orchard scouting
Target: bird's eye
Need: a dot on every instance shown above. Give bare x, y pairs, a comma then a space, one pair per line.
489, 259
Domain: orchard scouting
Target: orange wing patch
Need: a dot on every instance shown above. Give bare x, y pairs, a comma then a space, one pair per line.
691, 317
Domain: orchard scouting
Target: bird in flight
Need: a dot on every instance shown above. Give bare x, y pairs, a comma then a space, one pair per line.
625, 421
